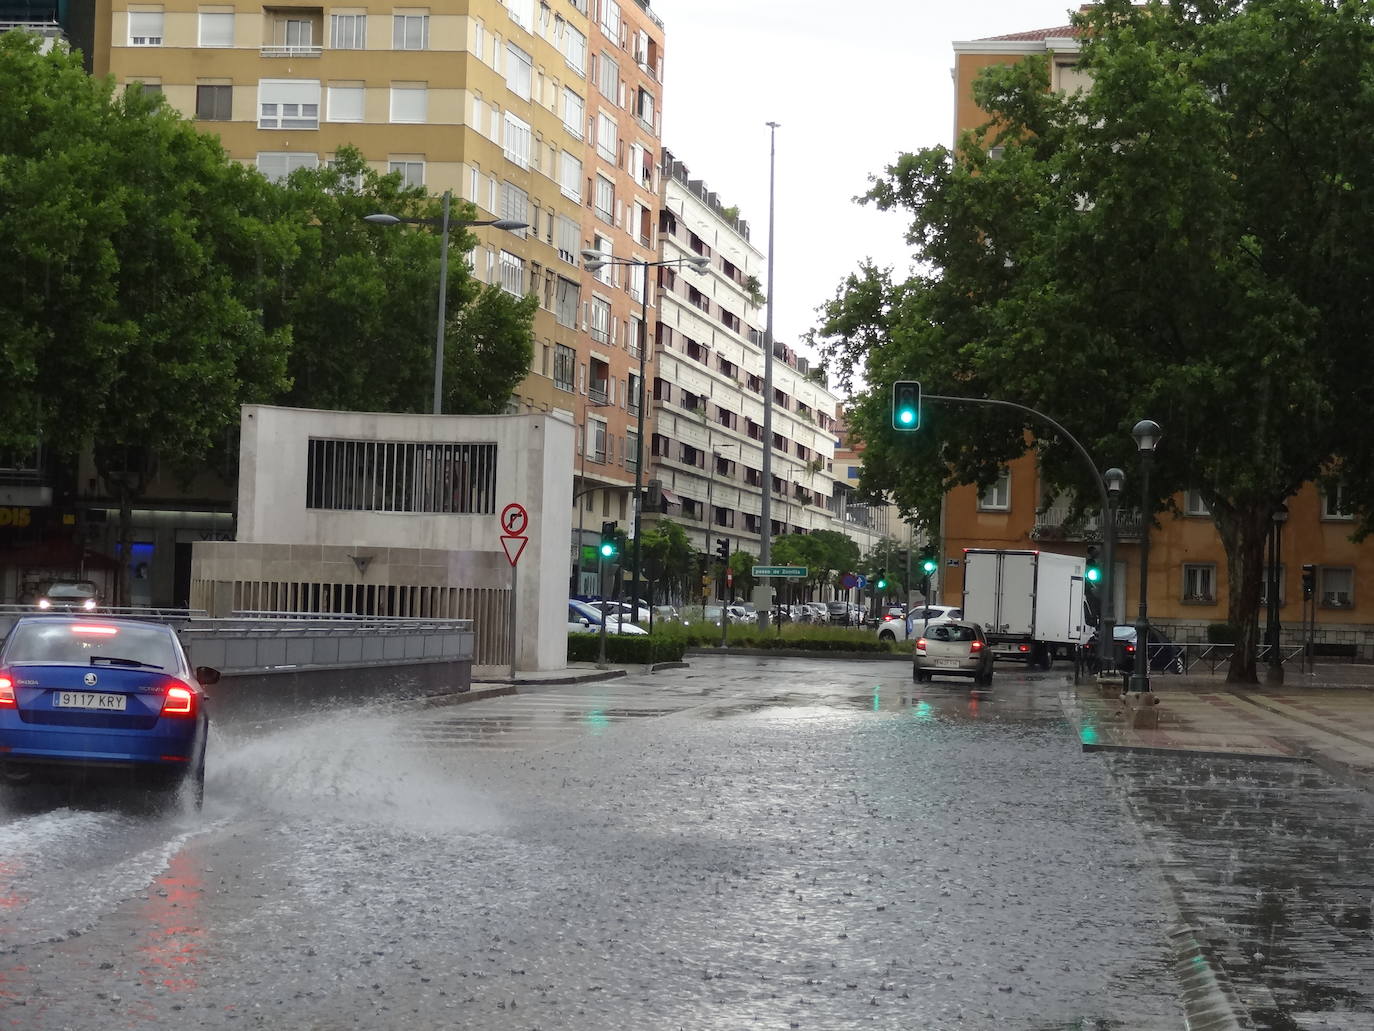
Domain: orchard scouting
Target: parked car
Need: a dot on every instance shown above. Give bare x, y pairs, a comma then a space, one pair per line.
953, 648
622, 610
820, 613
739, 614
93, 698
584, 619
668, 614
837, 612
916, 622
1165, 656
69, 596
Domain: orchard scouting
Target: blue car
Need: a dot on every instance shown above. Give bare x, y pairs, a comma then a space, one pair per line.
100, 700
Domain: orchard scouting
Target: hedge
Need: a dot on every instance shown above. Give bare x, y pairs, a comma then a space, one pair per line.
639, 649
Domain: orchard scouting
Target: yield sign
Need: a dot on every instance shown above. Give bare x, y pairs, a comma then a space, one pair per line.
514, 546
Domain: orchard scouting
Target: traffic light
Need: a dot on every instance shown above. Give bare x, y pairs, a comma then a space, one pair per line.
723, 549
1309, 579
610, 546
906, 405
881, 581
928, 563
1092, 571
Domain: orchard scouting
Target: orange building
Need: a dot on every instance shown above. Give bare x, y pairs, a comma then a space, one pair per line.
1188, 580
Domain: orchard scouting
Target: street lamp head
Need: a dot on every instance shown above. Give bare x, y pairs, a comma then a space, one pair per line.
1147, 434
1115, 480
593, 266
701, 263
1280, 514
591, 254
507, 223
382, 220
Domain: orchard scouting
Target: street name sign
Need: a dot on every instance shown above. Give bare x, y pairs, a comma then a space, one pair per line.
781, 570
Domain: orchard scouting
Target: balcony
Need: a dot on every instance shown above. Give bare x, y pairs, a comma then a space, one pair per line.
1056, 524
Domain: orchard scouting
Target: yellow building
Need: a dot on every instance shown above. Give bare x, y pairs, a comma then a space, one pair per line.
483, 98
1188, 580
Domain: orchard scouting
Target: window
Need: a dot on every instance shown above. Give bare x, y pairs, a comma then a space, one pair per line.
214, 103
519, 71
608, 78
1264, 587
150, 89
412, 172
600, 314
634, 281
216, 29
145, 28
564, 361
410, 32
1333, 503
522, 13
400, 476
574, 110
610, 19
517, 140
1193, 504
1199, 583
997, 497
604, 198
288, 104
607, 141
644, 107
632, 449
1337, 588
569, 239
512, 273
570, 177
278, 165
596, 439
604, 273
348, 31
409, 104
345, 103
515, 205
347, 183
575, 49
565, 303
852, 472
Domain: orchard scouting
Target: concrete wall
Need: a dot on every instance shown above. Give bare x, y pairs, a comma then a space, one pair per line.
280, 540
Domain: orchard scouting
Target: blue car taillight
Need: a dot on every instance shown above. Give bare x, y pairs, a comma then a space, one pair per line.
180, 701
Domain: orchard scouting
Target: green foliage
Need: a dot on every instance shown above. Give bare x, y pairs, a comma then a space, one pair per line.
792, 636
1222, 633
620, 648
668, 558
1183, 242
743, 563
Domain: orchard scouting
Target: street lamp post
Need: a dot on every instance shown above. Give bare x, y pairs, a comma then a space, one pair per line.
1276, 520
593, 260
1146, 434
1115, 480
443, 223
766, 513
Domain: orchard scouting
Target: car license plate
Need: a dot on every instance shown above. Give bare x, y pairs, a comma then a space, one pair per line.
947, 663
90, 700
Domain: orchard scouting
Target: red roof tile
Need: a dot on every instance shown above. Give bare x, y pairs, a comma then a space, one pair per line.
1034, 34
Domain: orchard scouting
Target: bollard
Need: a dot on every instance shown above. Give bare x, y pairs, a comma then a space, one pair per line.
1142, 710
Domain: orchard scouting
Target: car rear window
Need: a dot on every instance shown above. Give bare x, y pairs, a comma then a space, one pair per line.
79, 643
953, 633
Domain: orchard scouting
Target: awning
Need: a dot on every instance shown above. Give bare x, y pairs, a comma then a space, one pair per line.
670, 498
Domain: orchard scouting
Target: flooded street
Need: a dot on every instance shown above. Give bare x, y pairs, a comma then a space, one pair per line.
764, 843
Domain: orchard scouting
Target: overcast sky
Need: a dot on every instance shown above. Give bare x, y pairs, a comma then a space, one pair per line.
852, 85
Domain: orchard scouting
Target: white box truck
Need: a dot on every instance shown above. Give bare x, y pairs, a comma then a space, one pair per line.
1030, 603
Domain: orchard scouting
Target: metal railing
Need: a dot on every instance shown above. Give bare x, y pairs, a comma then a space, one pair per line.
1056, 523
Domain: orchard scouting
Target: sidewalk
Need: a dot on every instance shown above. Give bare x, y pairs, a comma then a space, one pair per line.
1326, 718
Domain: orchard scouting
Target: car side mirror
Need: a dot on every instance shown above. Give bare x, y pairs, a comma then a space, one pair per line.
207, 675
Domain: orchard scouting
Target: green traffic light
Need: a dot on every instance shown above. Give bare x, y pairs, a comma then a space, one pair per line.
928, 566
906, 416
607, 550
1094, 574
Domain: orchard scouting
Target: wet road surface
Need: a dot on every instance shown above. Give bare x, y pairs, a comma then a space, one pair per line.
748, 843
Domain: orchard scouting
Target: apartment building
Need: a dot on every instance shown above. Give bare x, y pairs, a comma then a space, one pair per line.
623, 106
707, 387
1188, 578
483, 98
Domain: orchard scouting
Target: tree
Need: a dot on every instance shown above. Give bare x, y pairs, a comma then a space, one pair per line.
1183, 242
131, 244
362, 301
668, 558
742, 565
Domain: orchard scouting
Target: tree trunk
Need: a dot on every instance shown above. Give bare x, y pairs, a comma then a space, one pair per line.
1244, 532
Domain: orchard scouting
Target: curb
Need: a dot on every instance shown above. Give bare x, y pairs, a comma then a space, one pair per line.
587, 677
799, 653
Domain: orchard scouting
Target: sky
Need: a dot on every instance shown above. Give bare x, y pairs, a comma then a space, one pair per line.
852, 85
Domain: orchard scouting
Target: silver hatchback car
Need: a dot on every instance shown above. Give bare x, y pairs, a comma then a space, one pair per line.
957, 649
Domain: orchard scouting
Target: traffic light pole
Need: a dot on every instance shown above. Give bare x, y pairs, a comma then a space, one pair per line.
1106, 629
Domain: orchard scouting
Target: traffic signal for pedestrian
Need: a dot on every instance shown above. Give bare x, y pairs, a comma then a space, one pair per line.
1309, 579
1093, 571
610, 545
723, 549
906, 405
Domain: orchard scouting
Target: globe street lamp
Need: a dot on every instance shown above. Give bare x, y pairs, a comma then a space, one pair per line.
1114, 480
594, 260
1146, 434
444, 223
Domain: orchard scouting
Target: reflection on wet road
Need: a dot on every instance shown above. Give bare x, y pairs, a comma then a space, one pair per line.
780, 843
